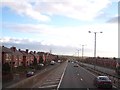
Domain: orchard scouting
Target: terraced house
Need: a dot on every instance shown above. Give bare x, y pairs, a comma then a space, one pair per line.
28, 58
19, 57
6, 55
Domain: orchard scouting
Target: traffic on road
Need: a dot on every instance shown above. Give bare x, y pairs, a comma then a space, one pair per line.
67, 74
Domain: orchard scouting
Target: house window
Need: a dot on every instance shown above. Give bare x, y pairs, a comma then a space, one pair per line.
8, 57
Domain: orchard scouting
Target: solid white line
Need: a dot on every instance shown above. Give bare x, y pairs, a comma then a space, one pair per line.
114, 86
62, 77
48, 86
88, 71
87, 88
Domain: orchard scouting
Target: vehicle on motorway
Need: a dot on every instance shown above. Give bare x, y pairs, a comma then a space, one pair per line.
41, 64
76, 65
30, 73
102, 82
59, 61
76, 61
52, 62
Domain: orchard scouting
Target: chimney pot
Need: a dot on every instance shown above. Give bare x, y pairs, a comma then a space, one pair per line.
27, 50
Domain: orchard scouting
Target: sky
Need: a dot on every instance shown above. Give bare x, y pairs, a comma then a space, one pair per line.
61, 26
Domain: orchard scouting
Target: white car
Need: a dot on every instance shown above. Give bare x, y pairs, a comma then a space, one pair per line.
41, 64
52, 62
59, 61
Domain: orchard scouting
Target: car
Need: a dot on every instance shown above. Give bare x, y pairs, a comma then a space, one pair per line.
76, 65
52, 62
41, 64
59, 61
30, 73
102, 82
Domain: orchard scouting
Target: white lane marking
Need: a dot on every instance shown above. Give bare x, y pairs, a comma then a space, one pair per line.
49, 83
81, 79
50, 86
88, 71
114, 86
62, 76
87, 88
78, 74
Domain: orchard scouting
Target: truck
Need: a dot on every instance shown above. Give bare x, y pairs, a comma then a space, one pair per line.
118, 66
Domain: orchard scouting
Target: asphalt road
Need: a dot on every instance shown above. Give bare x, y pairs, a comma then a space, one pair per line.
77, 77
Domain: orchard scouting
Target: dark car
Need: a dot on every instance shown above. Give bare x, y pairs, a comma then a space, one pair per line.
76, 65
30, 73
103, 82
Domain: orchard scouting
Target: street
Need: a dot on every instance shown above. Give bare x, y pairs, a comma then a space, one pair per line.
61, 75
77, 77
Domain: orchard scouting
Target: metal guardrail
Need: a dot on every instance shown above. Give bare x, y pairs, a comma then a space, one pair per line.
115, 79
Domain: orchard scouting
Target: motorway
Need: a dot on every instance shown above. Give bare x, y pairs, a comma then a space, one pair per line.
68, 76
77, 77
62, 75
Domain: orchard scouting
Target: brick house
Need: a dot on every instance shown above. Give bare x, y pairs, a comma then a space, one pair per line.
27, 58
17, 57
35, 55
42, 55
6, 55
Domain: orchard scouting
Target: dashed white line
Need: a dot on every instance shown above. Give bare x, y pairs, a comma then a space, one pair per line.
88, 72
81, 79
87, 88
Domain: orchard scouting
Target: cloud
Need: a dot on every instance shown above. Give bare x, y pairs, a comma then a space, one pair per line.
38, 46
25, 8
67, 36
115, 19
41, 10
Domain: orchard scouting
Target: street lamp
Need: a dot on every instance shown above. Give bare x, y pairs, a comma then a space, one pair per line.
78, 52
95, 44
83, 51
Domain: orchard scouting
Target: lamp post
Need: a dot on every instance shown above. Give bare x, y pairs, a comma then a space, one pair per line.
82, 51
95, 33
78, 52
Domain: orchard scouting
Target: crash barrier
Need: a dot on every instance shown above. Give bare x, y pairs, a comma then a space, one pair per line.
115, 78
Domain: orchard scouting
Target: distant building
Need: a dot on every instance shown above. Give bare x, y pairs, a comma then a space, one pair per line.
27, 58
17, 57
6, 55
35, 55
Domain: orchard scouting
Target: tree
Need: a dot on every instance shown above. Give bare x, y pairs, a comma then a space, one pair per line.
40, 59
6, 68
35, 61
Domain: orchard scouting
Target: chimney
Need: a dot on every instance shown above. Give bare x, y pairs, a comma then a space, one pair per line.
34, 52
19, 49
13, 48
27, 50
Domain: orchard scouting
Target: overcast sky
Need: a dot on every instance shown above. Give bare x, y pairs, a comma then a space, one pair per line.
61, 26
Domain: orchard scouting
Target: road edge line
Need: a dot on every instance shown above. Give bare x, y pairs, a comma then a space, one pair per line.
62, 76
